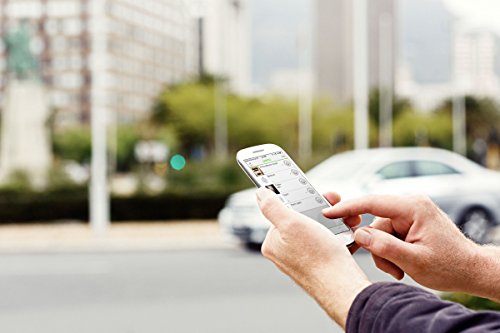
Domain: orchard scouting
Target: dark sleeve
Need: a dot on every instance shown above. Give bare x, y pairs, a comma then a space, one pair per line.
396, 307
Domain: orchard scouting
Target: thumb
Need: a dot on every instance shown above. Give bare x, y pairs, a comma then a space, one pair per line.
273, 209
385, 245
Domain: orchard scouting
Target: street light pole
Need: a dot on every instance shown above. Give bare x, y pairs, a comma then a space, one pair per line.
458, 103
360, 70
220, 125
305, 98
99, 196
386, 77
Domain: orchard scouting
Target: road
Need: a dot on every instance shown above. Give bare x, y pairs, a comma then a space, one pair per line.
175, 291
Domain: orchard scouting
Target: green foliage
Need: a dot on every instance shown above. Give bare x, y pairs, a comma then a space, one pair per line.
482, 115
399, 106
17, 181
472, 302
73, 144
58, 180
190, 109
208, 176
482, 118
253, 122
127, 137
418, 129
333, 128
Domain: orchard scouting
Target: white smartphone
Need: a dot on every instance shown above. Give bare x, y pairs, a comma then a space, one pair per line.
270, 166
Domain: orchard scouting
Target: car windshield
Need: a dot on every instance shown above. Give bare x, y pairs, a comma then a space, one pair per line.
341, 167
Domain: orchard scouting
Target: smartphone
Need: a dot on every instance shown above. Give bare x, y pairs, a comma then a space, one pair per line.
270, 166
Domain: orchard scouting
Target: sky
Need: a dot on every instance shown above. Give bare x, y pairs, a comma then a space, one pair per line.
275, 28
275, 25
482, 13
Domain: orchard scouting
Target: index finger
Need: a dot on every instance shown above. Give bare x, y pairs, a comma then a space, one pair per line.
379, 205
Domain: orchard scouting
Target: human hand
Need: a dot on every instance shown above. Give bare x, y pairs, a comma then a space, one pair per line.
312, 256
412, 235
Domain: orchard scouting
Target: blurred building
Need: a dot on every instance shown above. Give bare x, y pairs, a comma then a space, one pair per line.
443, 55
225, 42
477, 57
290, 82
474, 61
333, 55
112, 55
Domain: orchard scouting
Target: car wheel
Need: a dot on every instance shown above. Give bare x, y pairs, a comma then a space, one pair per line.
477, 224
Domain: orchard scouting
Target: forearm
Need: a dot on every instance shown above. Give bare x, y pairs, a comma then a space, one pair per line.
486, 273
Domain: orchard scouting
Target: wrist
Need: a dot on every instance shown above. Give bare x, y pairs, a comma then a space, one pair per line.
335, 291
485, 272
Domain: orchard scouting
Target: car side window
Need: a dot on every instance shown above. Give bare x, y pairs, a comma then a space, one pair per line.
396, 170
431, 168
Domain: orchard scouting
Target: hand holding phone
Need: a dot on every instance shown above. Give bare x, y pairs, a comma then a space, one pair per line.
270, 166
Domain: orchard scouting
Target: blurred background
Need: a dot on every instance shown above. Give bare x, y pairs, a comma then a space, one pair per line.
120, 121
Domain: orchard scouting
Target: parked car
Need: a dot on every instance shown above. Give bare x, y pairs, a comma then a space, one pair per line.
467, 192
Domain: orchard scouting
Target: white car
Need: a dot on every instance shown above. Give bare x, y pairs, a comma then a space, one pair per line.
467, 192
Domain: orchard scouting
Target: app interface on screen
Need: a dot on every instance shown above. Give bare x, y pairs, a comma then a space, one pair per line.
278, 173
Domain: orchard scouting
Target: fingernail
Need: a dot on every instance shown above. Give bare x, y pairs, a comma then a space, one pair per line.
363, 237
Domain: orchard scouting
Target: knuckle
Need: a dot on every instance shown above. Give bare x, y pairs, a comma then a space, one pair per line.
422, 203
425, 201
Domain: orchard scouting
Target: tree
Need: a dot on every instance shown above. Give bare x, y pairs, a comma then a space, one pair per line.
482, 115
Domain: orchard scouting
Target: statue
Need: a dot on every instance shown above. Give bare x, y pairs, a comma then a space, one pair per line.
25, 144
20, 60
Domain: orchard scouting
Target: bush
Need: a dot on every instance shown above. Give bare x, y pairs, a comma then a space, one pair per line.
72, 204
17, 181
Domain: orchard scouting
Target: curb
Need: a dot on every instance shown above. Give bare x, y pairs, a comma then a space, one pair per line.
130, 236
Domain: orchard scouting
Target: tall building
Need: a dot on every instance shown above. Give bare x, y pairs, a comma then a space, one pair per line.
225, 42
477, 54
333, 56
111, 55
455, 57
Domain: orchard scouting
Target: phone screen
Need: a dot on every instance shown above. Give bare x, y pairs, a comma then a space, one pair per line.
278, 173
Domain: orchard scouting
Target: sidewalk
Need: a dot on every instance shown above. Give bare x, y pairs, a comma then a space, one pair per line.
130, 236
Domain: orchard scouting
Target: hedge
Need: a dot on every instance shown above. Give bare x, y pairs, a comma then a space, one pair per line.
73, 205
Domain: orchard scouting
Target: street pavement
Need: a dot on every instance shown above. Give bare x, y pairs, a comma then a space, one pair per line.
212, 290
175, 278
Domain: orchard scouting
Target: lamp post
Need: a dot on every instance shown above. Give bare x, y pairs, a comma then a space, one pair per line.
386, 77
99, 195
360, 71
305, 99
458, 102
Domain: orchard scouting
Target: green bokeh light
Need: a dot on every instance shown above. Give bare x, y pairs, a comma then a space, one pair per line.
178, 162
